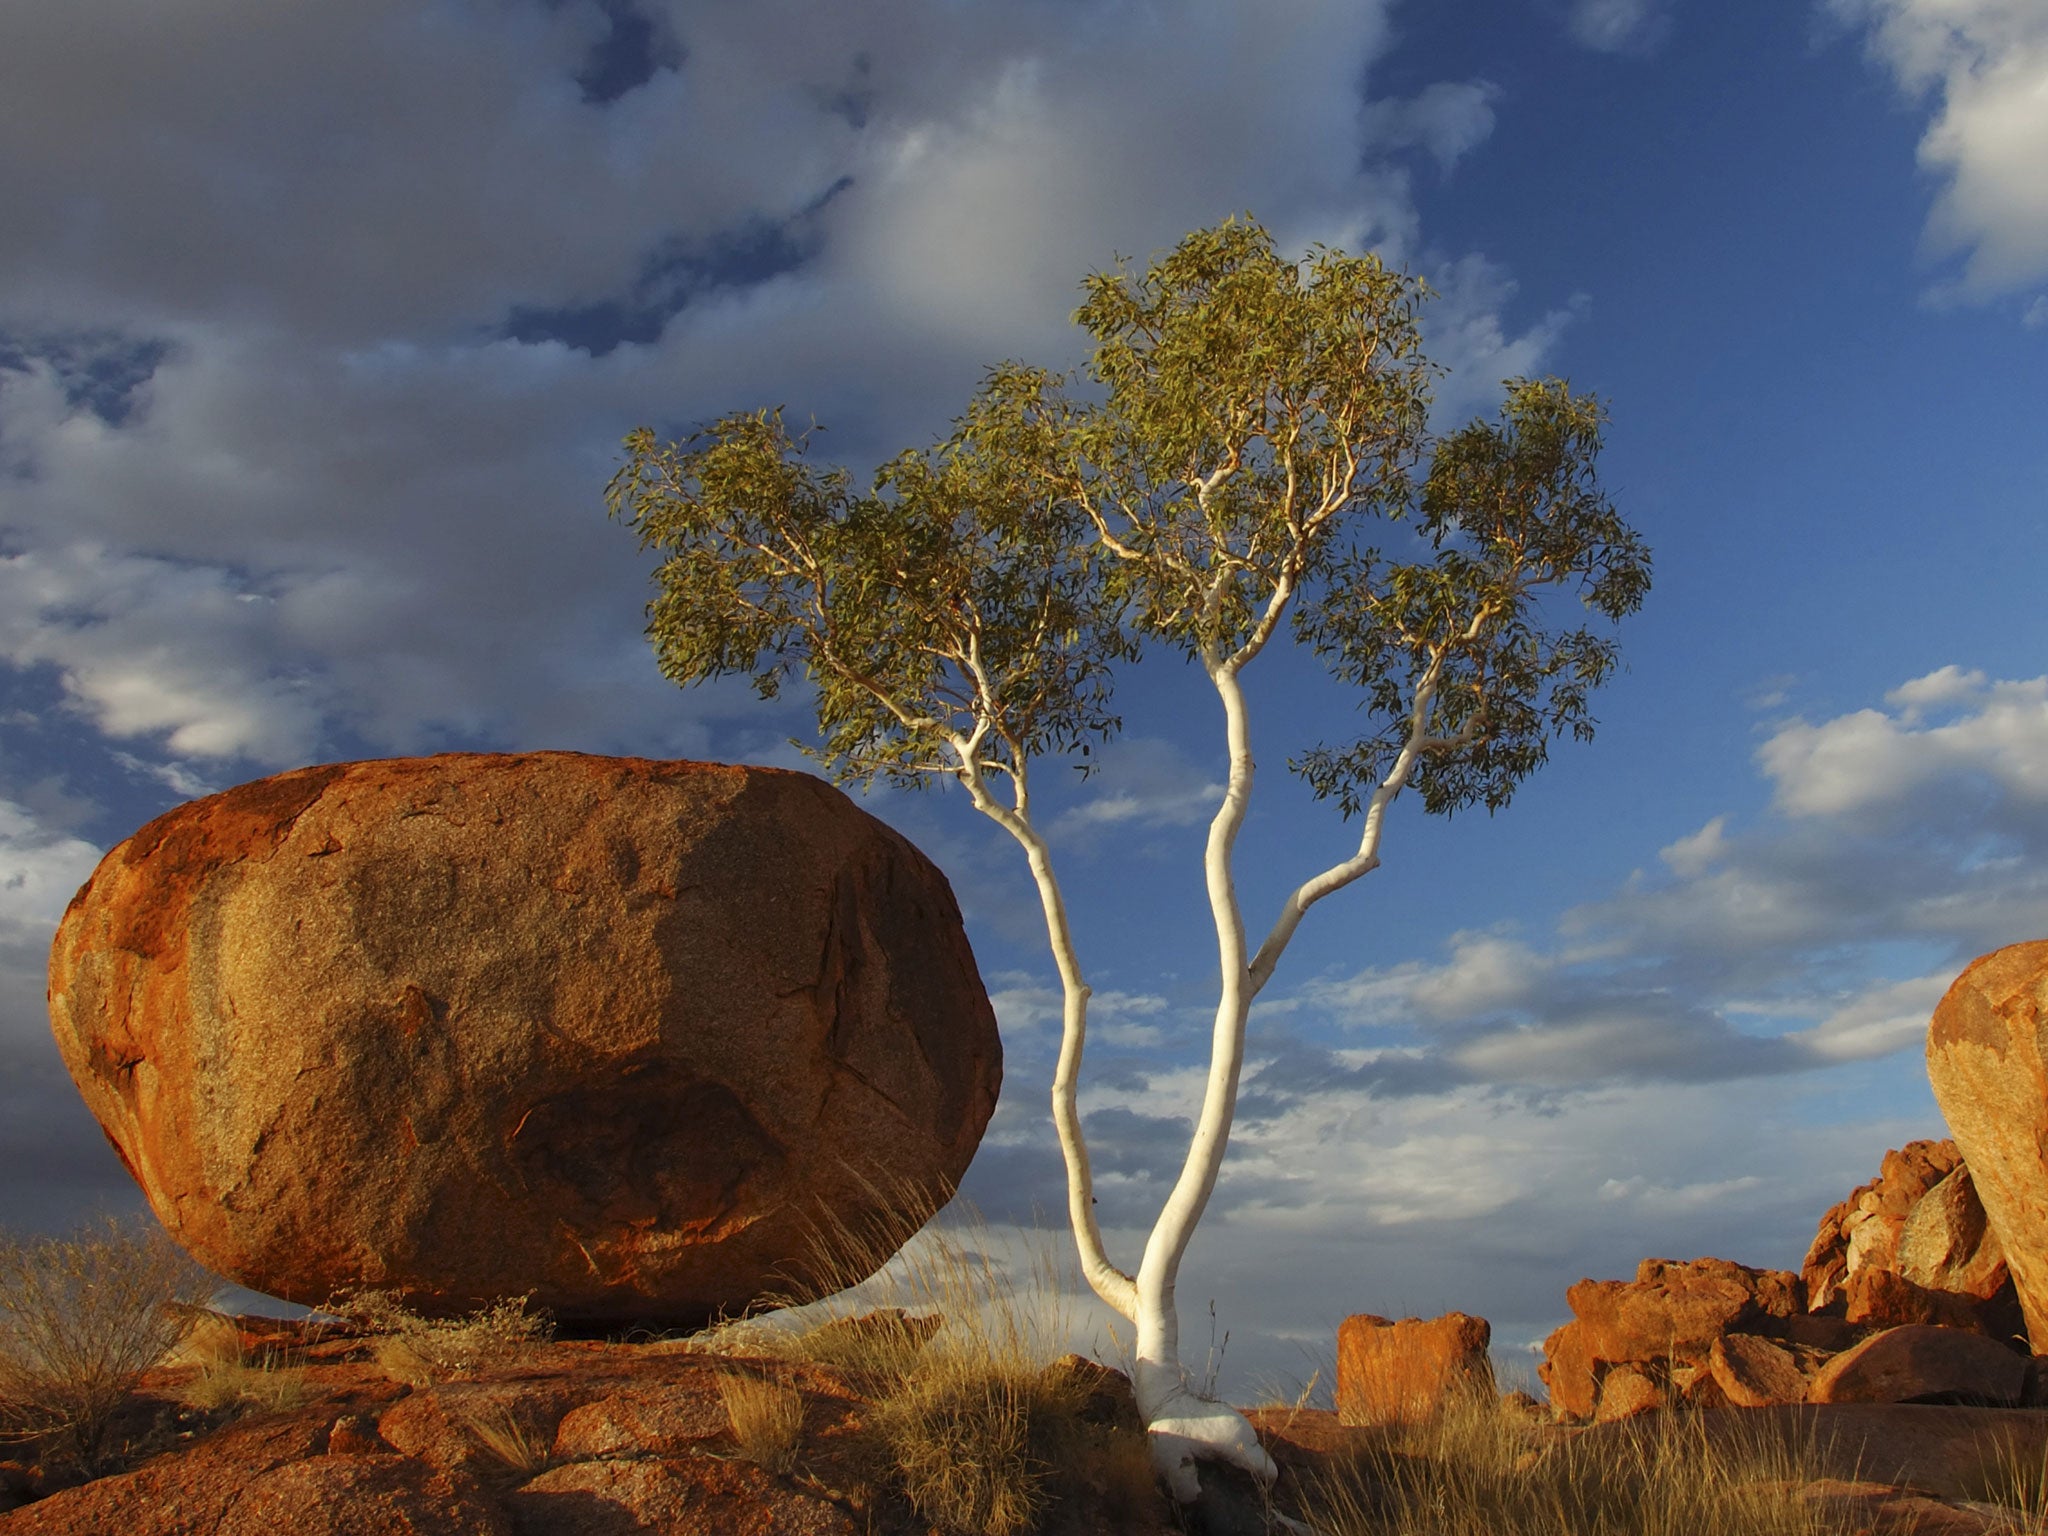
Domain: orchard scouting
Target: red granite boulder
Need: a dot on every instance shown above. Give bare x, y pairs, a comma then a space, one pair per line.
612, 1031
1409, 1372
1922, 1364
1988, 1063
1863, 1230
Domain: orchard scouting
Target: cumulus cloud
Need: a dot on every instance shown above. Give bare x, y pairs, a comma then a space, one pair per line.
1872, 761
1142, 781
1986, 64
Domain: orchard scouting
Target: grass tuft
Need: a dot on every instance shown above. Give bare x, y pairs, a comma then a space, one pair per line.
508, 1439
81, 1318
767, 1419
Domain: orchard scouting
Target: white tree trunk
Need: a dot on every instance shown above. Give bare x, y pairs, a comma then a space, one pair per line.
1186, 1428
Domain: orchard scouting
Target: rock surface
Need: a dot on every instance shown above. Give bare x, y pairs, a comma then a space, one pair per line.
612, 1031
1985, 1059
1408, 1372
611, 1439
1903, 1365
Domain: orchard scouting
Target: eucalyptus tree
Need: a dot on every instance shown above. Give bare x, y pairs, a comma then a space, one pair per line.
1245, 422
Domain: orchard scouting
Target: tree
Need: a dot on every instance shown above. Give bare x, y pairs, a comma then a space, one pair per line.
1250, 416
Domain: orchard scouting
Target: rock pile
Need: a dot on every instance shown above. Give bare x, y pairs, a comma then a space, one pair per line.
614, 1033
1904, 1295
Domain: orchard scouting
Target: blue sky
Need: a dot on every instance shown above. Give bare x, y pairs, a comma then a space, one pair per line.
319, 330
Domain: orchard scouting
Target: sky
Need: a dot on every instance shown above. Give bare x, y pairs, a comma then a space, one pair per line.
320, 327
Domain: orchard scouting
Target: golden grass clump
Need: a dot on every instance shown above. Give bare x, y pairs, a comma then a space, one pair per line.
767, 1419
966, 1421
228, 1378
1479, 1471
508, 1439
81, 1318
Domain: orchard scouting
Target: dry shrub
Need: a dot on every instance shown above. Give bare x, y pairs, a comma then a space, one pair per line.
1477, 1471
81, 1318
767, 1419
419, 1351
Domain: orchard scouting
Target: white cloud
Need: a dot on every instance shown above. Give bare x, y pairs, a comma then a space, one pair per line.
1869, 760
1987, 61
1619, 26
1143, 781
40, 871
1447, 120
1891, 1016
1696, 854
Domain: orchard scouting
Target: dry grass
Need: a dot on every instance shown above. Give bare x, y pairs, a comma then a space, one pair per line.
1477, 1471
508, 1440
966, 1422
2018, 1480
767, 1419
420, 1351
226, 1376
81, 1318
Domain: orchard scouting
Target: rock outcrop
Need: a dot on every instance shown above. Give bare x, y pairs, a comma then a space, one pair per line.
615, 1032
1408, 1372
1664, 1322
1985, 1059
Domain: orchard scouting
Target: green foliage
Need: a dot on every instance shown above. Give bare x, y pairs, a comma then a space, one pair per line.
1248, 417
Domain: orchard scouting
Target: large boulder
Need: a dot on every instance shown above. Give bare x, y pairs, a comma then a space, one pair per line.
616, 1032
1922, 1364
1986, 1062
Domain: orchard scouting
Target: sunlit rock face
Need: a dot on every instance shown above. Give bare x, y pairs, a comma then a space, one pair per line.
618, 1032
1988, 1064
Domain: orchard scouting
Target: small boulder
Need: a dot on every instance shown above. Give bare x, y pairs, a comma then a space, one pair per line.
1408, 1372
615, 1033
1921, 1364
1626, 1391
1986, 1062
1754, 1372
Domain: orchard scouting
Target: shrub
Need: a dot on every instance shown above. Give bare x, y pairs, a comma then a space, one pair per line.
419, 1350
508, 1439
81, 1318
